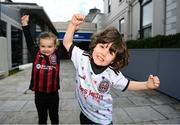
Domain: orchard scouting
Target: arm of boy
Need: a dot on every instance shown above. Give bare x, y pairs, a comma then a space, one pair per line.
153, 82
76, 20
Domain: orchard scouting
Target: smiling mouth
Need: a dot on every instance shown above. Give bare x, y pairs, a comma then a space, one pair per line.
46, 54
100, 58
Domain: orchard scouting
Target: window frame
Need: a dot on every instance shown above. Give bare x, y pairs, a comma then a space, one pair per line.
122, 27
109, 6
143, 28
3, 29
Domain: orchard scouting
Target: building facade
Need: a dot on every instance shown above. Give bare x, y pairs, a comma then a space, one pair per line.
142, 18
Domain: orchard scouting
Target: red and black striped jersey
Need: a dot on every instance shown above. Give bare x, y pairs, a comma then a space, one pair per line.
45, 70
45, 73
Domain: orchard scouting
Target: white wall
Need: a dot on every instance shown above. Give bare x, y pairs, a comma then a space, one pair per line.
178, 18
171, 16
9, 22
3, 55
158, 26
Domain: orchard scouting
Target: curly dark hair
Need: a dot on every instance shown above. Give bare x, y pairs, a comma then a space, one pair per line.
112, 35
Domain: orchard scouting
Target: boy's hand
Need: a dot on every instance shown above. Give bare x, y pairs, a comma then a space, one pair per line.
77, 19
153, 82
25, 20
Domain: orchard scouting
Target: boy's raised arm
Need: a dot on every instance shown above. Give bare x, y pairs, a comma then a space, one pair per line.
153, 82
76, 20
68, 38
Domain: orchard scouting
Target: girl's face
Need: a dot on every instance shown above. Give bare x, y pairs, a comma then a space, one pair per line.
101, 54
47, 46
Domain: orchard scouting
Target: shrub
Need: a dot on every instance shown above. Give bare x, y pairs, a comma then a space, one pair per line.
159, 41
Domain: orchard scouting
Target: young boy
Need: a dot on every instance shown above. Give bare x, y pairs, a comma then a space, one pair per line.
98, 70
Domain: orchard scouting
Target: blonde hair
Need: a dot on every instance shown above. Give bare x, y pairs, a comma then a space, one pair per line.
48, 35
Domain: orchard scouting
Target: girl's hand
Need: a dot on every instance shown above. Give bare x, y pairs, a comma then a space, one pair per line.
153, 82
25, 20
77, 19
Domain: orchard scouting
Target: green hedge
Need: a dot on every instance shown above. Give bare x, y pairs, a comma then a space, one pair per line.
170, 41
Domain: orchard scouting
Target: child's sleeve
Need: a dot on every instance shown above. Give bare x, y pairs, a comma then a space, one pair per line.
29, 40
120, 82
76, 55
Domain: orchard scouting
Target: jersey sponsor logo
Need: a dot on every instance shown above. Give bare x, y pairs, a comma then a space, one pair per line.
89, 93
38, 66
45, 67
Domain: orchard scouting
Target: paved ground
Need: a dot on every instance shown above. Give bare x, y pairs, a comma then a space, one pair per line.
130, 107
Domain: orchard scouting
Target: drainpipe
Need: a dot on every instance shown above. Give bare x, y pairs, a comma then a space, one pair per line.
128, 19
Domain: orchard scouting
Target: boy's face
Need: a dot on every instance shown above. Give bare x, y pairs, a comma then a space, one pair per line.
101, 54
47, 46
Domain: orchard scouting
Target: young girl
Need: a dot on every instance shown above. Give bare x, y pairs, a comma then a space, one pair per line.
45, 73
98, 70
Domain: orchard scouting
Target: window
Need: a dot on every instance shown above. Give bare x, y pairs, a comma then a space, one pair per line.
3, 30
16, 46
121, 25
147, 31
109, 6
147, 14
146, 19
